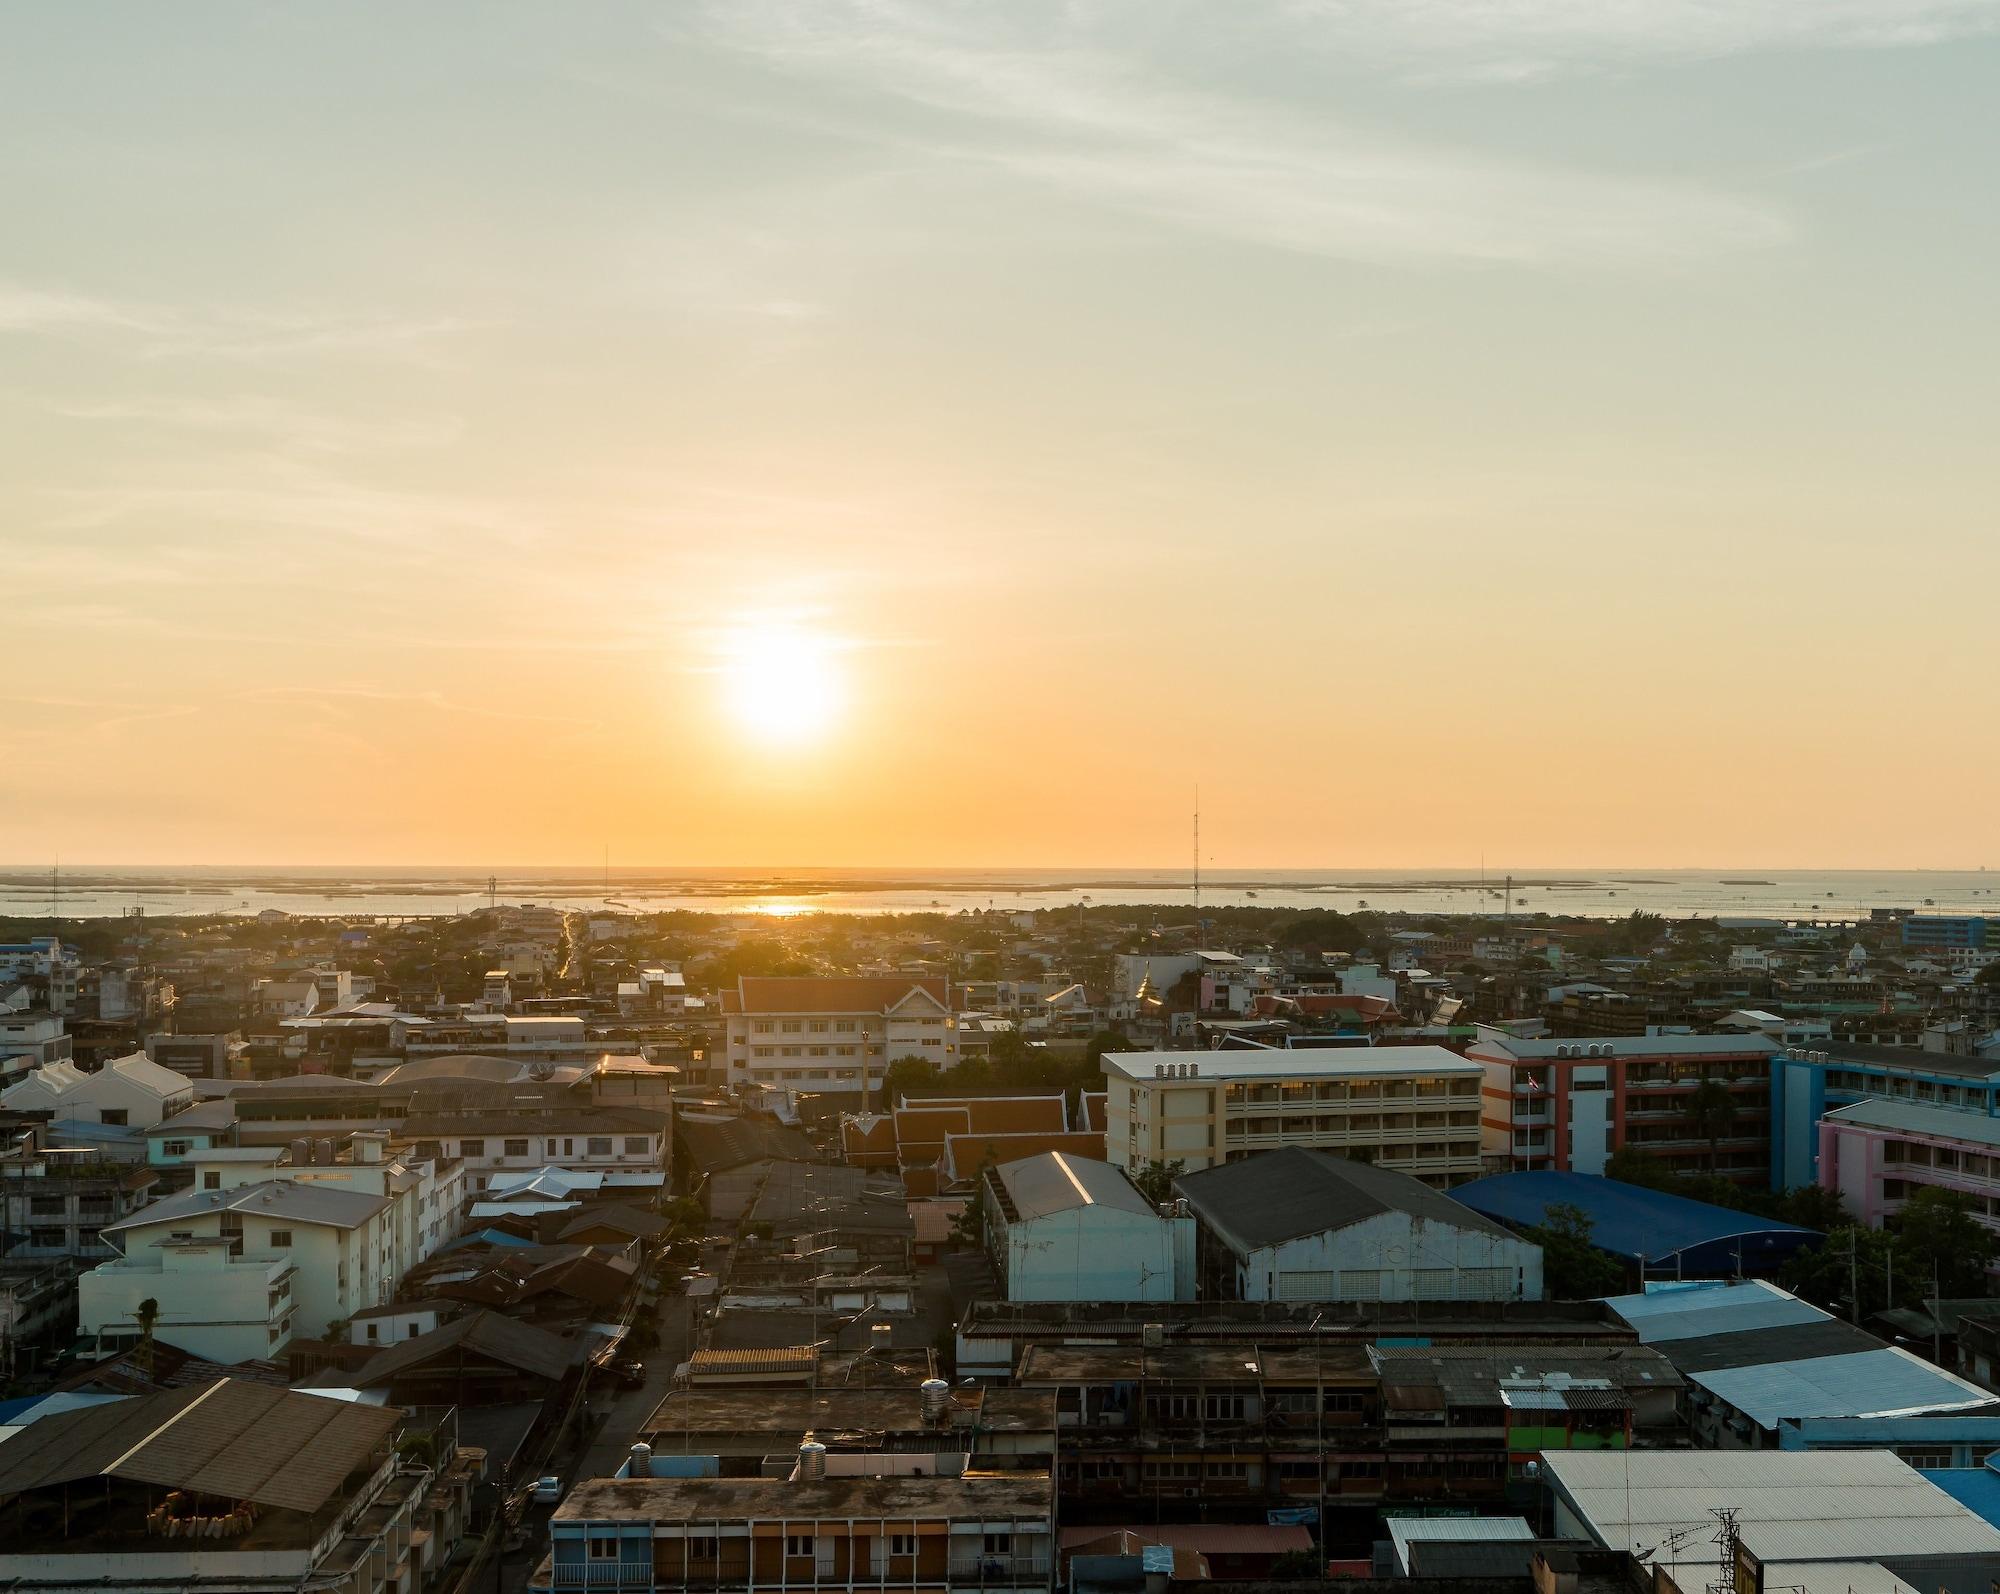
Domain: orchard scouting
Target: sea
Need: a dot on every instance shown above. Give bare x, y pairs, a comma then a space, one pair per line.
1831, 896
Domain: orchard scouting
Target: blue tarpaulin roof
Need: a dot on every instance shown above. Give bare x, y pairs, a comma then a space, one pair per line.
1640, 1224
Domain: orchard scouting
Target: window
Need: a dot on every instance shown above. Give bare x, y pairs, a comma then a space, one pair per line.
761, 1027
374, 1333
902, 1544
798, 1544
281, 1239
46, 1206
115, 1116
790, 1026
176, 1148
44, 1239
603, 1548
411, 1330
999, 1544
211, 1180
843, 1026
818, 1026
472, 1148
597, 1146
1225, 1408
637, 1145
701, 1547
515, 1148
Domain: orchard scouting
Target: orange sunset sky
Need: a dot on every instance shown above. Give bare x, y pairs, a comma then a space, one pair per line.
884, 434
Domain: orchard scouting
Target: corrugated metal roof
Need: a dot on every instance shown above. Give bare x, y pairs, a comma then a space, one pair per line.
1631, 1220
1294, 1191
1817, 1505
238, 1440
1696, 1310
279, 1198
1835, 1577
1403, 1530
1870, 1383
1940, 1123
1057, 1182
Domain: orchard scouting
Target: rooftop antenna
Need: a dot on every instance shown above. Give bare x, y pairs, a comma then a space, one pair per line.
1200, 933
492, 892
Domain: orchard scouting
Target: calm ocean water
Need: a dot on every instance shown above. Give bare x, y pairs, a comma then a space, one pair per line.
1820, 894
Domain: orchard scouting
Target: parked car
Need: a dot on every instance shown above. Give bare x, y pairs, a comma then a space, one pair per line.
627, 1373
547, 1491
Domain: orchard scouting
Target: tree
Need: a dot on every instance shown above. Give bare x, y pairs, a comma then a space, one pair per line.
970, 1229
1573, 1269
904, 1075
1711, 1113
1853, 1259
1156, 1179
1813, 1206
148, 1318
1941, 1248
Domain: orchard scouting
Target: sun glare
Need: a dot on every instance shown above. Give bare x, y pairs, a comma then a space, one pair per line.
783, 682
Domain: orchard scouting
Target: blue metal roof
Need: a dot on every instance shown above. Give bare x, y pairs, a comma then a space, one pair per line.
1649, 1226
1977, 1488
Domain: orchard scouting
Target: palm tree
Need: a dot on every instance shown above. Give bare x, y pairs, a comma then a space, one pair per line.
1711, 1112
147, 1316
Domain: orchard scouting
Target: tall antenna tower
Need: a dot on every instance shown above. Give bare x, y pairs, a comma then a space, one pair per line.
492, 892
1200, 931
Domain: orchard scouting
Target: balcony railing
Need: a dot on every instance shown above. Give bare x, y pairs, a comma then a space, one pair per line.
602, 1574
999, 1568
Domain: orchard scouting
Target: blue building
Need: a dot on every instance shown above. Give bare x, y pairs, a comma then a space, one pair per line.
1807, 1083
1656, 1233
1937, 1444
1948, 930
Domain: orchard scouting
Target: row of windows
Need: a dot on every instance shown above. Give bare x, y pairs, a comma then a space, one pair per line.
816, 1026
798, 1546
593, 1146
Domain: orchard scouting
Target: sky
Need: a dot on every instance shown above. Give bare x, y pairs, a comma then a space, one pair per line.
858, 432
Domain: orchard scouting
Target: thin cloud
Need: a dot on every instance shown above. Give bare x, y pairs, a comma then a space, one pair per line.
281, 422
154, 331
1088, 119
1525, 40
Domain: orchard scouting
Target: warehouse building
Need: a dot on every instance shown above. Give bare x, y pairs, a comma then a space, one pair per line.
1758, 1360
1847, 1522
1065, 1228
1655, 1233
1304, 1225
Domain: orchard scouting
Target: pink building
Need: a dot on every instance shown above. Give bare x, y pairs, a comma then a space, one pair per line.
1878, 1154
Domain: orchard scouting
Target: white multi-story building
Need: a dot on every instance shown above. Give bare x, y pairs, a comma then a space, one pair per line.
129, 1092
45, 961
28, 1039
835, 1033
1411, 1108
263, 1249
494, 1142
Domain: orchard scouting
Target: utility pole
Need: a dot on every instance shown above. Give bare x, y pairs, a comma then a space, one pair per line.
1855, 1279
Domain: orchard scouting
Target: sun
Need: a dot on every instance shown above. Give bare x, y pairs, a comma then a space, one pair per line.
782, 682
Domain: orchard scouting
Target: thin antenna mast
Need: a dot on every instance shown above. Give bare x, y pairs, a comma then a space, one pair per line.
1200, 932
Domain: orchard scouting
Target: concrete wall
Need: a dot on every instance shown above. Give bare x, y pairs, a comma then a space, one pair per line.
1096, 1253
1408, 1259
